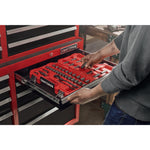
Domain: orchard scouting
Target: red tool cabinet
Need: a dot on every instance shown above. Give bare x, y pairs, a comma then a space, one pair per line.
33, 97
21, 47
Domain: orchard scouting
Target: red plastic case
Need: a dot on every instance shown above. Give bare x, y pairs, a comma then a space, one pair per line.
68, 75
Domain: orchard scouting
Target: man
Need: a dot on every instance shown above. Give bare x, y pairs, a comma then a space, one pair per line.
131, 78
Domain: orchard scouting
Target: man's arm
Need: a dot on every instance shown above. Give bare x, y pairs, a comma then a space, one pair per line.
86, 95
112, 48
135, 67
109, 50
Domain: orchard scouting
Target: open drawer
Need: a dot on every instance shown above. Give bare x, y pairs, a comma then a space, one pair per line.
94, 75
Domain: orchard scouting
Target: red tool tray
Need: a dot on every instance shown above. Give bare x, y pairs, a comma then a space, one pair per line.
63, 75
67, 75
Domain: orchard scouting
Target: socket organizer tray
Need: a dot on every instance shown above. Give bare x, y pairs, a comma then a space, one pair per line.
68, 75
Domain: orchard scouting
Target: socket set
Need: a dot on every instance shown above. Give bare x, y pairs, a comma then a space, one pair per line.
68, 74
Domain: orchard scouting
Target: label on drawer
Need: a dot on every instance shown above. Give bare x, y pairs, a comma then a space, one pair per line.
68, 48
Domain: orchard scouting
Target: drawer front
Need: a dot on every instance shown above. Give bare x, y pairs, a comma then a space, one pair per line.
7, 121
5, 101
30, 104
33, 109
25, 38
58, 117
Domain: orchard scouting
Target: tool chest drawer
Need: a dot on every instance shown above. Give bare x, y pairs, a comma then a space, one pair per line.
5, 101
63, 75
6, 114
30, 104
33, 109
56, 117
25, 38
7, 121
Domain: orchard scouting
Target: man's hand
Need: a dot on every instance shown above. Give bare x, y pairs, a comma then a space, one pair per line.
81, 97
86, 95
91, 59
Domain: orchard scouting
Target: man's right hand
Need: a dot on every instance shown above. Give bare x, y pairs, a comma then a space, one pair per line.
109, 50
92, 59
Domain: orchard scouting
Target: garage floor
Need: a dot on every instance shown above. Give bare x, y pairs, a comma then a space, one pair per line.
92, 113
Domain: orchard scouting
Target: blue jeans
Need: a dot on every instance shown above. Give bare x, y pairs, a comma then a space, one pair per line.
117, 117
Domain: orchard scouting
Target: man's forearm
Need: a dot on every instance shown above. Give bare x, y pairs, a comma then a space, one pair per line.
97, 92
109, 50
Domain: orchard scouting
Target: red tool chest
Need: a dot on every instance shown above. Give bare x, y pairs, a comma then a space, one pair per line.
39, 68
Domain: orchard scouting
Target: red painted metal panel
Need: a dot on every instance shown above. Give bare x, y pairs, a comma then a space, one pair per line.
77, 32
14, 98
3, 42
76, 119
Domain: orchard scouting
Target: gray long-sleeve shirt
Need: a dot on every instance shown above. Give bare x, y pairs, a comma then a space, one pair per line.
131, 77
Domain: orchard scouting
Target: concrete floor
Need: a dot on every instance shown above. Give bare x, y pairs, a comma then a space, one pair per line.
91, 113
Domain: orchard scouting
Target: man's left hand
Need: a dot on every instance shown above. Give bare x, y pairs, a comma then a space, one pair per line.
81, 97
86, 95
